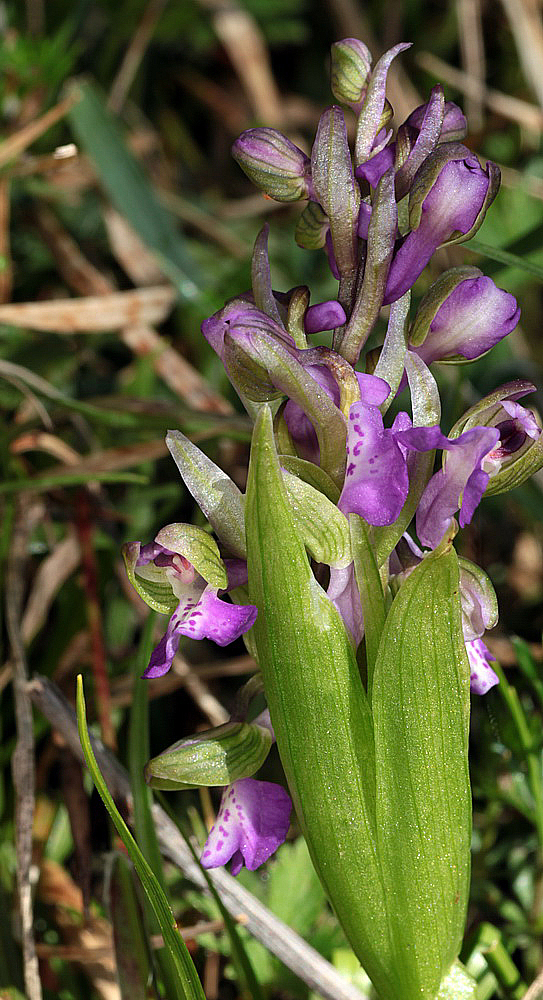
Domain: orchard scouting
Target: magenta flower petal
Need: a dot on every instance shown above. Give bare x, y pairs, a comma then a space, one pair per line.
481, 677
252, 822
324, 316
460, 484
206, 618
374, 168
373, 390
454, 121
451, 206
376, 480
475, 316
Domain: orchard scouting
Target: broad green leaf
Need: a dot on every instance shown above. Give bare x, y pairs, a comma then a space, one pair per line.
312, 474
188, 986
324, 529
423, 807
215, 493
129, 189
129, 936
319, 709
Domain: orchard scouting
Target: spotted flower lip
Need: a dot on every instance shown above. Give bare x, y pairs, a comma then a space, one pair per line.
199, 614
376, 479
252, 822
482, 676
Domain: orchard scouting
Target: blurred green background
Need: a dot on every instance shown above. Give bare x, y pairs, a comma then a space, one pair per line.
124, 222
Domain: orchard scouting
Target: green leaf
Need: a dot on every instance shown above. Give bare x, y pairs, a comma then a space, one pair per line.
324, 529
423, 805
129, 189
318, 707
215, 493
312, 474
188, 986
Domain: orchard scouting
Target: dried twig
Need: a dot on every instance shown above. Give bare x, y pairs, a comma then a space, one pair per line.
200, 693
241, 36
473, 57
512, 108
93, 314
134, 54
15, 144
23, 755
524, 18
281, 940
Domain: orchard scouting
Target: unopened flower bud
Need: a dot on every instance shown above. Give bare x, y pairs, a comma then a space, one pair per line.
312, 227
217, 757
351, 62
274, 164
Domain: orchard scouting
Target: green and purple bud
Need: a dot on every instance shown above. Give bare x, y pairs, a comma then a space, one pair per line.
274, 164
462, 316
351, 63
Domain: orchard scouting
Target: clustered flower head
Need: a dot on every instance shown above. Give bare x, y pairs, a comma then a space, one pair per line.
379, 211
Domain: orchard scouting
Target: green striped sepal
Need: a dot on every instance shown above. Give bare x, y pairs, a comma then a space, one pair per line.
217, 757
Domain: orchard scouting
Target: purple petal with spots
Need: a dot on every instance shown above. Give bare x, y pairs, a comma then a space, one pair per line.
206, 618
376, 480
460, 484
252, 822
324, 316
452, 205
475, 316
481, 675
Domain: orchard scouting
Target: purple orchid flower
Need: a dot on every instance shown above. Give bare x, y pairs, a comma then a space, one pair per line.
451, 207
518, 426
471, 320
200, 613
324, 316
482, 676
460, 485
252, 822
377, 479
454, 121
272, 162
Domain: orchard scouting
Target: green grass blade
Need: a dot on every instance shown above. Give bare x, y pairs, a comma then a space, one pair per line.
504, 257
138, 755
188, 986
128, 187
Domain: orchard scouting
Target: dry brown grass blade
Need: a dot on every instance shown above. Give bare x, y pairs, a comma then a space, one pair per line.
139, 336
43, 441
78, 272
185, 381
238, 31
15, 144
133, 256
93, 314
472, 50
134, 54
6, 270
94, 937
23, 756
512, 108
200, 693
524, 18
53, 572
113, 459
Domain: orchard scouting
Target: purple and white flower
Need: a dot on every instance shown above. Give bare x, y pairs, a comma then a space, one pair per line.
252, 822
482, 676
